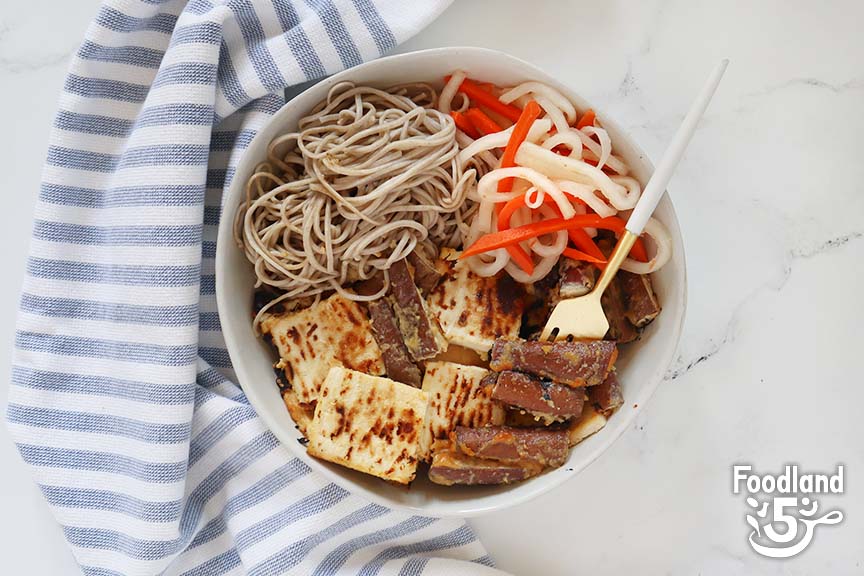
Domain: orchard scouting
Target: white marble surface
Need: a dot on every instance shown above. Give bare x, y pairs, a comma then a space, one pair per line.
769, 197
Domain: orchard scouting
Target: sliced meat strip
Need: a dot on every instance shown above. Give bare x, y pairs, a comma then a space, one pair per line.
607, 396
620, 328
506, 444
370, 286
397, 361
451, 467
426, 275
640, 302
540, 397
577, 278
572, 363
421, 334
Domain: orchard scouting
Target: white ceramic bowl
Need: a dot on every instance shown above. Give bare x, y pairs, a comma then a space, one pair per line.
641, 365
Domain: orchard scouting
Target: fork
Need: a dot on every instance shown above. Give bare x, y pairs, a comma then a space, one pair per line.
583, 317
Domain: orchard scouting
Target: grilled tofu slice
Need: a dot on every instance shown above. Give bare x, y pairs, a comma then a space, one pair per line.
590, 422
457, 397
334, 332
473, 310
368, 423
300, 413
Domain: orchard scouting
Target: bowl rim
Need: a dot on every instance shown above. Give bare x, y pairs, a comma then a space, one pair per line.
468, 507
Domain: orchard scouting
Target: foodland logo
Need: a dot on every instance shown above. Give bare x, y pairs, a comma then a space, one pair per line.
785, 508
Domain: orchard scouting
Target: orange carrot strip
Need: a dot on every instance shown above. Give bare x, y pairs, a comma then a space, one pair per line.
481, 121
512, 236
522, 258
530, 113
587, 119
507, 211
585, 244
480, 97
638, 251
578, 236
574, 254
465, 125
514, 204
517, 253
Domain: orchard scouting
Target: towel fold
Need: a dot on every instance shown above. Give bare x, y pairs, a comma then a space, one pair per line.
150, 457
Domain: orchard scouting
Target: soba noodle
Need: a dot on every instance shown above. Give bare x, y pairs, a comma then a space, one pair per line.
369, 176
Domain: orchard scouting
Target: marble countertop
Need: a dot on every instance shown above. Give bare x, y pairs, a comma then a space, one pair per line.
769, 198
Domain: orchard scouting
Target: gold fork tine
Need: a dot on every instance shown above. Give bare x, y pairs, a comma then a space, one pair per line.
583, 317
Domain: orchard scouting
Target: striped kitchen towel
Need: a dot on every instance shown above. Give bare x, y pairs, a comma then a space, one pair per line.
150, 457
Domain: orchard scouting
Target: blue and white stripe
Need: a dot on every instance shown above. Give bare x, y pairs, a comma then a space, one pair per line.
150, 457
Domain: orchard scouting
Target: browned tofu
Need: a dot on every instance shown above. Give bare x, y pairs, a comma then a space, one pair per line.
461, 355
301, 413
473, 311
333, 332
368, 423
522, 419
457, 397
590, 422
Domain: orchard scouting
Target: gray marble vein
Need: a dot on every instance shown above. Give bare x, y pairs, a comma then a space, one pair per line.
827, 245
855, 83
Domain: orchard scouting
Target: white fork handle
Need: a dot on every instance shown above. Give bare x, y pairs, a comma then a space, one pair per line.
663, 173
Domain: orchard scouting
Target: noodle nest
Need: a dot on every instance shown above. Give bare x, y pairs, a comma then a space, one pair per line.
370, 176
